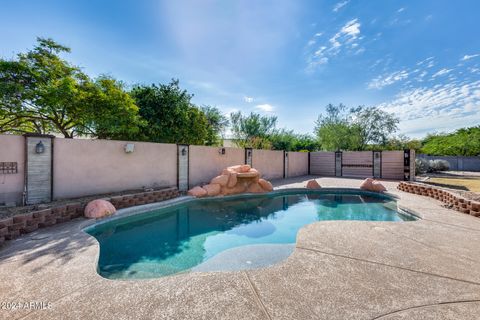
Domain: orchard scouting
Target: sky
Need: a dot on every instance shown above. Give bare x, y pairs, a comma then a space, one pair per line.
417, 59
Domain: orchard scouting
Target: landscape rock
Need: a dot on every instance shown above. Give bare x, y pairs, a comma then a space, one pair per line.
198, 192
221, 180
233, 180
313, 184
370, 184
266, 185
239, 188
367, 184
98, 209
212, 189
255, 188
378, 187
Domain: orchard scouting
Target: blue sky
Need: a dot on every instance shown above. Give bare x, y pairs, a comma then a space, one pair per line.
418, 59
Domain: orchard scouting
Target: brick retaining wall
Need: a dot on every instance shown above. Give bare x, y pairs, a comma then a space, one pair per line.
13, 227
454, 200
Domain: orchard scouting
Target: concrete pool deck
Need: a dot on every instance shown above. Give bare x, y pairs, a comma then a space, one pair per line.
425, 269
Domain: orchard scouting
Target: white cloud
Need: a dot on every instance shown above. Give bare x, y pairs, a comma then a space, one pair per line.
361, 50
351, 28
346, 37
340, 5
347, 34
248, 99
387, 79
265, 107
468, 57
401, 10
446, 101
441, 72
423, 106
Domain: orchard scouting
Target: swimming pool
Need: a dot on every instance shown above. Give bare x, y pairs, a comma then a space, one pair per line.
183, 236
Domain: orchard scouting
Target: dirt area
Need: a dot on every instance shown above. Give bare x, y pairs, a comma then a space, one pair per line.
6, 212
464, 183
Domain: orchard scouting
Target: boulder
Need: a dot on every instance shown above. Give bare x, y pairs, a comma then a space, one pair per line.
212, 189
378, 187
232, 180
228, 171
367, 184
198, 192
266, 185
239, 188
370, 184
98, 209
313, 184
241, 168
255, 188
221, 180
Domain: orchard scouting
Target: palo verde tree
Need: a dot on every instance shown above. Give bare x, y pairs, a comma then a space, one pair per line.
252, 130
40, 92
290, 141
334, 130
354, 129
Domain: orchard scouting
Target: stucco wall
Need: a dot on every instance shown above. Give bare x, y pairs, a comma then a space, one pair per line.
12, 149
87, 167
269, 163
297, 164
207, 162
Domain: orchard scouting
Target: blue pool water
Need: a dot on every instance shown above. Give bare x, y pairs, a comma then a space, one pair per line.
178, 238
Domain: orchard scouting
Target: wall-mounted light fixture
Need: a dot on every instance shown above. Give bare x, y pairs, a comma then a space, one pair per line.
184, 151
221, 150
39, 147
129, 148
249, 153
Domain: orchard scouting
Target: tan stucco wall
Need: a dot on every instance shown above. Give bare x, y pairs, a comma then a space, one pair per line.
269, 163
11, 185
87, 167
297, 164
207, 162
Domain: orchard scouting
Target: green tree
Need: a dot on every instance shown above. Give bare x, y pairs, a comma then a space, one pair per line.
170, 115
400, 142
288, 140
306, 142
354, 129
40, 92
252, 130
374, 126
333, 129
217, 123
111, 112
462, 142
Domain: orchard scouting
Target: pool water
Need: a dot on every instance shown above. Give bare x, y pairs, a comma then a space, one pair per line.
178, 238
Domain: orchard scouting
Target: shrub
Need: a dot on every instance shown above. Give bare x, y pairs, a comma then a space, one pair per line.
438, 165
421, 166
